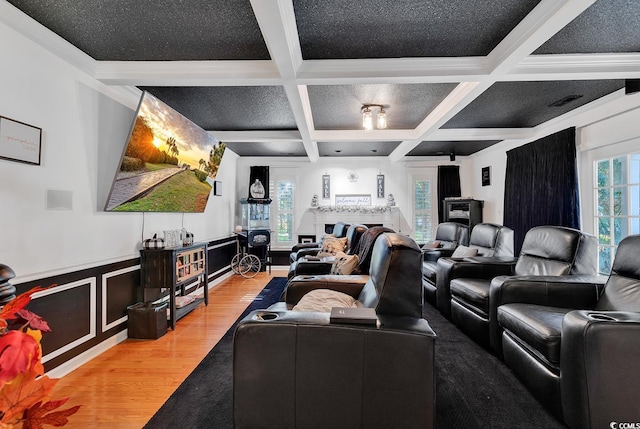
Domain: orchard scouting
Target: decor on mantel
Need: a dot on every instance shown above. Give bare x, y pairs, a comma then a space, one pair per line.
391, 201
326, 183
380, 185
314, 200
352, 209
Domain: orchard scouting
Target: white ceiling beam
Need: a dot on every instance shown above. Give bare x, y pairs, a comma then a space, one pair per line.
266, 136
545, 20
188, 73
362, 135
27, 26
475, 134
277, 22
391, 70
575, 67
458, 99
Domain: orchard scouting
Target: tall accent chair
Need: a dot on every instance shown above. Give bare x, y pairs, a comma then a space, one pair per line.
487, 240
449, 235
312, 265
577, 346
298, 369
546, 251
303, 249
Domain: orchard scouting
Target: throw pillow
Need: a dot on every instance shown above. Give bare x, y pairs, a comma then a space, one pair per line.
331, 246
323, 300
464, 251
431, 245
344, 264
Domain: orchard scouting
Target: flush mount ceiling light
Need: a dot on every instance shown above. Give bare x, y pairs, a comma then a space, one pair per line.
367, 117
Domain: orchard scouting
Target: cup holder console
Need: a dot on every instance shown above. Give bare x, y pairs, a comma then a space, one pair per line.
600, 316
266, 315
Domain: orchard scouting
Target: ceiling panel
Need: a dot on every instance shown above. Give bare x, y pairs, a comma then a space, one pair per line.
121, 30
338, 107
267, 149
353, 148
445, 148
527, 104
336, 29
607, 26
230, 108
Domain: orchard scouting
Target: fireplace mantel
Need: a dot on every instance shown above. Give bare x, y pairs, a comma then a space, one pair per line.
390, 217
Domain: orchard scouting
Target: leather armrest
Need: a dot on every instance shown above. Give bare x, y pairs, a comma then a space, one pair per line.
300, 246
478, 267
600, 357
301, 285
307, 252
576, 291
435, 254
300, 370
305, 267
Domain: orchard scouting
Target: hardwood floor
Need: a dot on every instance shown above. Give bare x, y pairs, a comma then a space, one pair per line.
125, 386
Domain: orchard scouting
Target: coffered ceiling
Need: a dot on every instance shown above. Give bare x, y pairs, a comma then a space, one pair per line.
288, 78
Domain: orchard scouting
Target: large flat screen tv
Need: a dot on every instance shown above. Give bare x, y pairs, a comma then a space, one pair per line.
168, 165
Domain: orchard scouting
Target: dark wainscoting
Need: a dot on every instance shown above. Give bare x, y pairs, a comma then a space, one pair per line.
87, 307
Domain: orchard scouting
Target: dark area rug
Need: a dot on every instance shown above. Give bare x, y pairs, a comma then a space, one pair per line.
474, 388
204, 399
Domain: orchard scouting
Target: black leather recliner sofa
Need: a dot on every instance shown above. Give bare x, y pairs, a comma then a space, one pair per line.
577, 346
546, 250
449, 235
490, 241
306, 265
298, 370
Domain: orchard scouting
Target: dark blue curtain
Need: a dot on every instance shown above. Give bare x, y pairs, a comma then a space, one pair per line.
448, 185
541, 185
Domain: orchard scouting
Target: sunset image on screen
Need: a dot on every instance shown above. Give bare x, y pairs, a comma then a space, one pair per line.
169, 163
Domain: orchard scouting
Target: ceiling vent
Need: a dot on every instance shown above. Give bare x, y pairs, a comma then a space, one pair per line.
565, 100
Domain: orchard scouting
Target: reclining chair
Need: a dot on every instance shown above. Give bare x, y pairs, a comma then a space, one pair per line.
303, 249
582, 364
311, 265
350, 284
299, 370
487, 240
546, 251
449, 235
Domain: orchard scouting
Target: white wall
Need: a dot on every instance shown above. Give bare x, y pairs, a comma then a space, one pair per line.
85, 125
309, 180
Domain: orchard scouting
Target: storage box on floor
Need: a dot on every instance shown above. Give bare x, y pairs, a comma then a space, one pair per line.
147, 320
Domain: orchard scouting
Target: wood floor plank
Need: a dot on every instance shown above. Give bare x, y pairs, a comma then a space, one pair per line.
127, 384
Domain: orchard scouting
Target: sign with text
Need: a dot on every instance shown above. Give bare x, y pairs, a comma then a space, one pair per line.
353, 200
19, 141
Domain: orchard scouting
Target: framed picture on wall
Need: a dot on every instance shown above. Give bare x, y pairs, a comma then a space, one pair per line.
19, 141
486, 176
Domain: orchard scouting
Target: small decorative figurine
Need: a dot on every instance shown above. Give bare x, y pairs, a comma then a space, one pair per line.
314, 201
390, 200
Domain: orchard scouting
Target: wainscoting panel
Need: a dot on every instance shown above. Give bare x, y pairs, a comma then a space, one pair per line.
119, 290
87, 308
219, 256
70, 311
